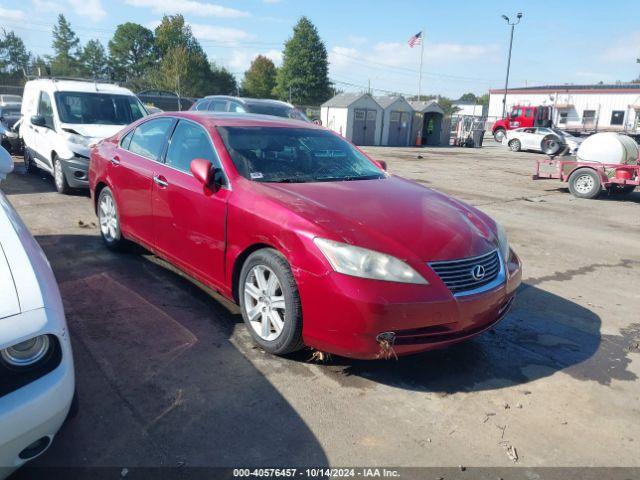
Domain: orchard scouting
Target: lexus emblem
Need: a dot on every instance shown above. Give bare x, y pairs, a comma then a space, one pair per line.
478, 272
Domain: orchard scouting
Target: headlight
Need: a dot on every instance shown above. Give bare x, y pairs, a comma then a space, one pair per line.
27, 353
364, 263
503, 241
78, 139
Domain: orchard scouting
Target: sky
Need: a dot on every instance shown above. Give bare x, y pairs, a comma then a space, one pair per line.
465, 42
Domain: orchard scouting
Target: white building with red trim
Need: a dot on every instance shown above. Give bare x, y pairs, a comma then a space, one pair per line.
588, 108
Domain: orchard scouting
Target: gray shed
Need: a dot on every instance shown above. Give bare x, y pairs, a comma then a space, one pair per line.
396, 121
427, 121
355, 116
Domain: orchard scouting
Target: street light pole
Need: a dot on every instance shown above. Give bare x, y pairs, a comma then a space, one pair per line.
506, 83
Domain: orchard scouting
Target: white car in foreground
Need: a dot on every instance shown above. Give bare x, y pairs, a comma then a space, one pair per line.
37, 381
541, 139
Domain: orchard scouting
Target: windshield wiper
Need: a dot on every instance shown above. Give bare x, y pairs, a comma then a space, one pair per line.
286, 180
349, 178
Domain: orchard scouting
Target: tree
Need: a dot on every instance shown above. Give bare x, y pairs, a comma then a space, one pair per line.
468, 97
94, 59
132, 53
260, 80
222, 81
174, 37
66, 47
303, 76
14, 57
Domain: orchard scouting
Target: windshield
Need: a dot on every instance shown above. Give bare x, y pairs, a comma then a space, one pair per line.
273, 154
276, 110
98, 108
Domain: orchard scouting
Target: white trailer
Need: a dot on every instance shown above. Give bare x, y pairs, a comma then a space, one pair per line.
578, 108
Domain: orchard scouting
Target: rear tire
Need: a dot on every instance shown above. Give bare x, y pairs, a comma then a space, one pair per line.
498, 135
60, 180
29, 164
515, 145
585, 183
270, 302
109, 221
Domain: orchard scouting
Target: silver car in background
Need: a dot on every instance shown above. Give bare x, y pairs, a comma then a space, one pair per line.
541, 139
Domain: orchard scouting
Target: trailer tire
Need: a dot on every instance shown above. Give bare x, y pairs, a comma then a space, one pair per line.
515, 145
498, 134
585, 183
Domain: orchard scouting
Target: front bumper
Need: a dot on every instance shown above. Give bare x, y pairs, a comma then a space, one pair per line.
344, 315
37, 410
76, 171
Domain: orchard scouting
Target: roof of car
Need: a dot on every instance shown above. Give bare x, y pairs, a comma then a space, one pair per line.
81, 86
228, 119
248, 100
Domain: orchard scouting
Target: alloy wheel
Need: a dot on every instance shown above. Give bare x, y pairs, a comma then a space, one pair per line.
264, 302
108, 218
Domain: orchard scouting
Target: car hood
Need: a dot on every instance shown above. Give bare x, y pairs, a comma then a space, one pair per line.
9, 304
392, 215
98, 132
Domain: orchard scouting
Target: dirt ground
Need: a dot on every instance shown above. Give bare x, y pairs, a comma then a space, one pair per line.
167, 375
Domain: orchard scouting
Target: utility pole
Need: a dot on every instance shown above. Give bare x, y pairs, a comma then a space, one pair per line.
506, 83
421, 57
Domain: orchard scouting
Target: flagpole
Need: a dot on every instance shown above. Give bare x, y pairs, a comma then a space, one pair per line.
421, 55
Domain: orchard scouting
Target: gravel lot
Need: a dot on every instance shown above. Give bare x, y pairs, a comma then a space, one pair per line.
167, 375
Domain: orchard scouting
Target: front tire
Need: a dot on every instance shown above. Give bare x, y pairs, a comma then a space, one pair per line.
515, 145
585, 183
270, 302
62, 186
109, 220
498, 135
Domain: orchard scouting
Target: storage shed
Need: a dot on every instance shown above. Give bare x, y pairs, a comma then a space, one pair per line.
355, 116
396, 121
427, 124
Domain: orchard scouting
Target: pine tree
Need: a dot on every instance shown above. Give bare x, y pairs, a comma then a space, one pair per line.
94, 59
132, 54
66, 47
303, 77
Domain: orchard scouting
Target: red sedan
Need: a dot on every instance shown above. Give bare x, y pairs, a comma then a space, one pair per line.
314, 240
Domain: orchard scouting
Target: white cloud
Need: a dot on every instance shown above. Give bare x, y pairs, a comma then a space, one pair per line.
9, 14
619, 51
91, 9
275, 56
219, 34
193, 7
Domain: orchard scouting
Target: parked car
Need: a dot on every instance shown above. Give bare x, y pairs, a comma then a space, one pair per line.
62, 118
313, 239
540, 139
224, 103
10, 119
10, 100
166, 100
36, 365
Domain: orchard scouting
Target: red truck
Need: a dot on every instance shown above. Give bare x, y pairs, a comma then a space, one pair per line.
522, 116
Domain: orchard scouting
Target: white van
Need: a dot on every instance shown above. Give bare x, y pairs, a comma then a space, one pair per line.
61, 118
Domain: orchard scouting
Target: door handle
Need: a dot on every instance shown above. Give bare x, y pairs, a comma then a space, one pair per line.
160, 180
115, 160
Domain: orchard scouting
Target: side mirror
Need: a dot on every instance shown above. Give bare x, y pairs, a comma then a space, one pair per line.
6, 163
38, 121
202, 171
382, 164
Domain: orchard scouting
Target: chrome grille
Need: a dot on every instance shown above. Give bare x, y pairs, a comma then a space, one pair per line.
459, 276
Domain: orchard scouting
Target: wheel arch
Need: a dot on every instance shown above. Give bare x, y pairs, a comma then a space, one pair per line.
99, 187
238, 262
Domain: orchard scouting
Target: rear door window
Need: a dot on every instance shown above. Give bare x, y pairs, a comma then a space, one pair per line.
204, 105
188, 142
149, 138
218, 105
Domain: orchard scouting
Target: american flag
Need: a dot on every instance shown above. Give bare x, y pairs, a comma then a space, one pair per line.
415, 40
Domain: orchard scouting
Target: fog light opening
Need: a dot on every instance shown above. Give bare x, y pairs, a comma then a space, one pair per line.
35, 449
386, 341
